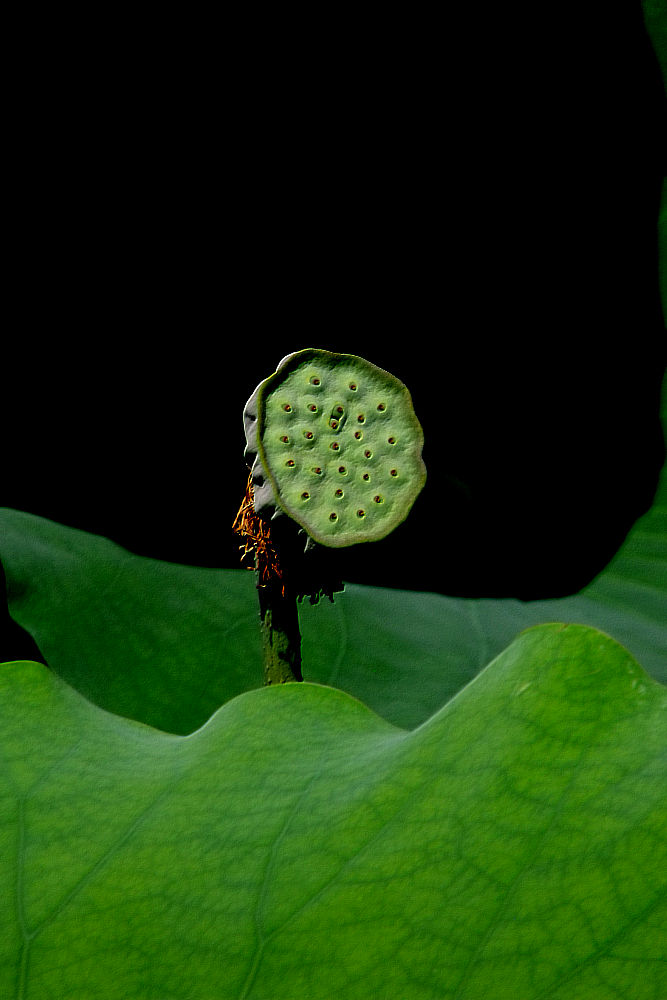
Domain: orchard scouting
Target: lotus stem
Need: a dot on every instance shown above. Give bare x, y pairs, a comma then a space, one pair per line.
281, 637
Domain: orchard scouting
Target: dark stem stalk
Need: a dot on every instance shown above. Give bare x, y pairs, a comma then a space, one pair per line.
281, 638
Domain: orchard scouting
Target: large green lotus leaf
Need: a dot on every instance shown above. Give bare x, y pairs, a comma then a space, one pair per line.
151, 640
168, 644
300, 846
405, 653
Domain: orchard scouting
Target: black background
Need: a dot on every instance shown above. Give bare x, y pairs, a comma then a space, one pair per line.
469, 203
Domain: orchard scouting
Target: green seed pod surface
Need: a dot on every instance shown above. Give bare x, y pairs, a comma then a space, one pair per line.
341, 446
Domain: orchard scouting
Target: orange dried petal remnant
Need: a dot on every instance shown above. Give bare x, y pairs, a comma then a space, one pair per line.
257, 541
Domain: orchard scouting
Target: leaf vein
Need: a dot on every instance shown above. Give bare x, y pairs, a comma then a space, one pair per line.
269, 868
98, 866
529, 857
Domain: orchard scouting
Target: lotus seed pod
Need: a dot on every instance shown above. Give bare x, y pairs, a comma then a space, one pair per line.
336, 445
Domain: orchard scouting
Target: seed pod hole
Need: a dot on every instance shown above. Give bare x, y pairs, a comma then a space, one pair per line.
342, 470
333, 516
378, 499
361, 418
339, 410
308, 435
353, 386
333, 424
317, 470
358, 435
305, 496
287, 408
366, 477
393, 472
391, 440
368, 453
334, 446
290, 463
339, 493
381, 407
312, 408
361, 513
284, 439
314, 380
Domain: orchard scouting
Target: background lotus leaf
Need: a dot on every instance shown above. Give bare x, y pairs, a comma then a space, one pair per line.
167, 644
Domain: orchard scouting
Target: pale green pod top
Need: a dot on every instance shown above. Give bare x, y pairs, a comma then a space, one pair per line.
337, 446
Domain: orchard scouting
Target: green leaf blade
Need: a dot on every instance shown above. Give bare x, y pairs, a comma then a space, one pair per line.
168, 644
405, 653
150, 640
299, 845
